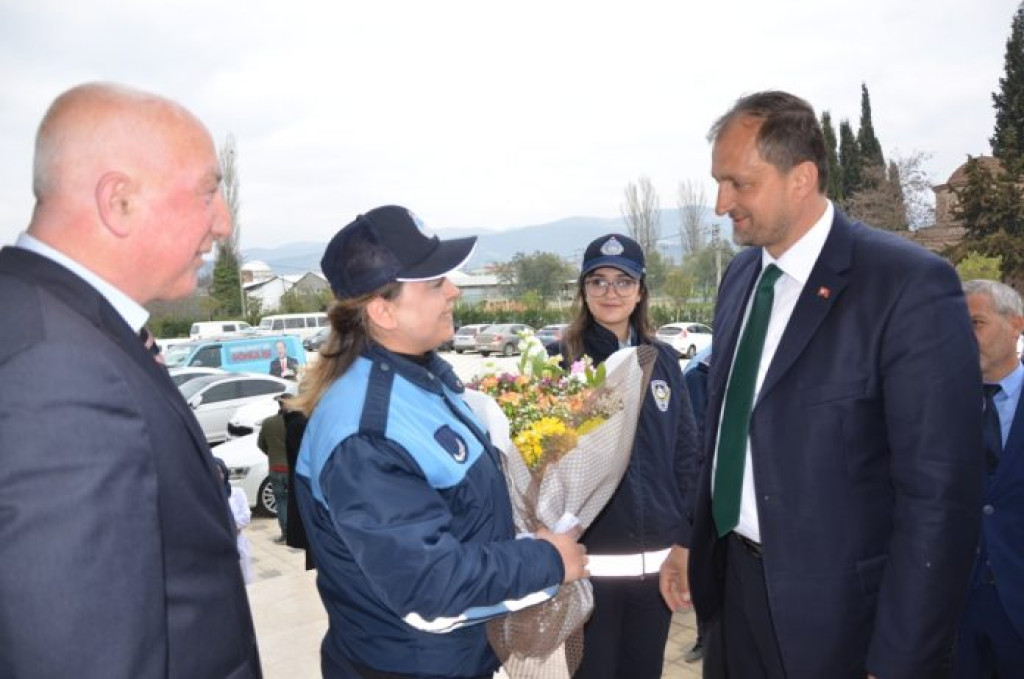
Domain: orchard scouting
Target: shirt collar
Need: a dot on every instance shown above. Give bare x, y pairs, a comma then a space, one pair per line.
134, 314
1012, 383
799, 259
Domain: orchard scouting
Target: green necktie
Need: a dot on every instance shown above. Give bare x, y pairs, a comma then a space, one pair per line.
739, 399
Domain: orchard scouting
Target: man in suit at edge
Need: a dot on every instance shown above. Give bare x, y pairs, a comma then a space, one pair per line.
861, 458
283, 365
991, 633
117, 550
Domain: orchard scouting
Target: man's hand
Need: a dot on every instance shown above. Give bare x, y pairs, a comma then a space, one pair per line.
673, 580
574, 555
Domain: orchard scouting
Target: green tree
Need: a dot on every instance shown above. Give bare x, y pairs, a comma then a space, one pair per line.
658, 267
991, 209
867, 143
543, 273
988, 202
849, 160
226, 287
977, 266
1008, 137
835, 172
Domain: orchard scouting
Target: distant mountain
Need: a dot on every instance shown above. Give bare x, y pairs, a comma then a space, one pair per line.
566, 237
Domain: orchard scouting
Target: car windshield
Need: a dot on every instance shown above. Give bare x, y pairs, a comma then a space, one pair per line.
176, 354
193, 387
669, 330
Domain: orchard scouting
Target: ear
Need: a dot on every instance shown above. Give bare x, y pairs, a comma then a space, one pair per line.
1017, 323
114, 202
804, 179
381, 313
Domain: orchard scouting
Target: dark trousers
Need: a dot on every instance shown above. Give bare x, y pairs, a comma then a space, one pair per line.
625, 637
742, 642
987, 644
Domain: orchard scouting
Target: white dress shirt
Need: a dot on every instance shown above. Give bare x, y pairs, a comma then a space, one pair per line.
796, 264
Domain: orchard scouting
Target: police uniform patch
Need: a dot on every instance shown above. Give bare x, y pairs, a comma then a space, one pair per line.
662, 394
452, 443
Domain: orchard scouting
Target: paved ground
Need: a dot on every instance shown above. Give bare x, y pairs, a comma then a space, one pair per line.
290, 620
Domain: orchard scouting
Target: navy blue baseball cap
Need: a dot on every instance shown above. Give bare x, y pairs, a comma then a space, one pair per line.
385, 245
615, 250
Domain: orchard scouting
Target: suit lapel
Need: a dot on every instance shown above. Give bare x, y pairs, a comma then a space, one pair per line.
1012, 451
820, 293
85, 300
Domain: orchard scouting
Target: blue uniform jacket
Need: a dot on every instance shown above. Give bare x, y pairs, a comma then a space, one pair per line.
652, 507
409, 520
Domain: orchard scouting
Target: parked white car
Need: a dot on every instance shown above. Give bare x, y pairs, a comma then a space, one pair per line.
182, 375
215, 398
685, 337
248, 470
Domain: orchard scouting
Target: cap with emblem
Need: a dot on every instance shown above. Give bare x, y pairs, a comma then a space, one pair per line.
385, 245
615, 250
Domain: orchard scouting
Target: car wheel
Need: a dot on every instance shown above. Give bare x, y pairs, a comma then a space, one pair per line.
691, 352
508, 350
265, 502
459, 351
485, 354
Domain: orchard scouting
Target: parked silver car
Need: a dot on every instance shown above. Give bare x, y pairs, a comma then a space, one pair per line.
500, 338
465, 337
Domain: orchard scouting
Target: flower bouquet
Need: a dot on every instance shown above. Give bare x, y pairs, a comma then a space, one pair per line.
567, 437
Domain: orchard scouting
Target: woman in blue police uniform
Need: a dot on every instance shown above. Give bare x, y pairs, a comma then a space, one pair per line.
399, 488
637, 545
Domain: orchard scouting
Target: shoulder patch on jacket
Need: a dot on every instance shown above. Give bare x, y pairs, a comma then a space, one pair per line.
662, 394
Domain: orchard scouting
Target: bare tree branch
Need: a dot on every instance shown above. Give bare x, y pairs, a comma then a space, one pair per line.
642, 214
692, 199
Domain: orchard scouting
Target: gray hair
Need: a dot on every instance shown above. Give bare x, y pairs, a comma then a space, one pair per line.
1005, 299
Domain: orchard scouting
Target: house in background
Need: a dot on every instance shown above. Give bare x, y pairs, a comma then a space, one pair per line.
947, 230
267, 291
477, 287
256, 271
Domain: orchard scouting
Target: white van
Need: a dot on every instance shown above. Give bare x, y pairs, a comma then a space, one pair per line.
302, 325
204, 329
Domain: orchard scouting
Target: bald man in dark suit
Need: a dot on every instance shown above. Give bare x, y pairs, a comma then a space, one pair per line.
117, 546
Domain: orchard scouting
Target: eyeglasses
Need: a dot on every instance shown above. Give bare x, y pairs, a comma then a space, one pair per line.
599, 287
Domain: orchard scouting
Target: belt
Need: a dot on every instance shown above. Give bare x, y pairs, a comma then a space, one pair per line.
753, 548
626, 565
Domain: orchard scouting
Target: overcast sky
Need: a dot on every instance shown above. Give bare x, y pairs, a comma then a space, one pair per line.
491, 115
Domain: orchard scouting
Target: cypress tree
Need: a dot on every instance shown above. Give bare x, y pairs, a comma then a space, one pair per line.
849, 160
872, 160
835, 171
1008, 138
894, 186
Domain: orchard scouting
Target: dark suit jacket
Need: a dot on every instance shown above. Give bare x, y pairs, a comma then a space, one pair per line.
275, 367
1002, 523
117, 548
867, 461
